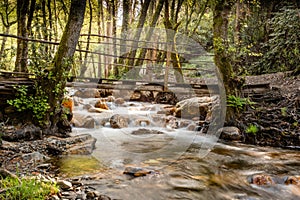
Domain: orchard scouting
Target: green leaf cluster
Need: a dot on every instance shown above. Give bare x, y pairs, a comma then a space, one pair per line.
239, 103
36, 104
27, 189
252, 129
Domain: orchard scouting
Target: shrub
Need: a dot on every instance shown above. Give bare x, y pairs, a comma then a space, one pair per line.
27, 189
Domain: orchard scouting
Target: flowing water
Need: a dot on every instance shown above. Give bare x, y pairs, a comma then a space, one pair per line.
183, 165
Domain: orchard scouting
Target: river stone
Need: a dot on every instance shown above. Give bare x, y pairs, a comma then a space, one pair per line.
101, 104
87, 93
231, 133
261, 179
143, 131
34, 157
63, 184
119, 101
191, 127
110, 99
166, 98
118, 121
187, 184
136, 171
142, 122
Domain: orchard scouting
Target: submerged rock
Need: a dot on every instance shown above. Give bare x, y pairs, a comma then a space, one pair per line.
136, 171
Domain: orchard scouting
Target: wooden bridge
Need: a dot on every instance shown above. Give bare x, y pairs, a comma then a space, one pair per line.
8, 80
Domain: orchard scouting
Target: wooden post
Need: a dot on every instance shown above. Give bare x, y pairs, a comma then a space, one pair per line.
166, 80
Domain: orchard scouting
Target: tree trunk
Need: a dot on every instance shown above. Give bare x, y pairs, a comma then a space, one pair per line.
137, 35
84, 66
124, 28
150, 32
222, 58
171, 40
22, 51
54, 83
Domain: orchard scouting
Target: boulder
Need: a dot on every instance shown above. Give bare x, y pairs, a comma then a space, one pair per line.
87, 93
193, 107
83, 121
231, 133
118, 121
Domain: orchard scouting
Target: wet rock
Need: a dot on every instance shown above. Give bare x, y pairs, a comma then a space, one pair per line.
183, 123
185, 184
87, 93
84, 121
136, 96
292, 180
118, 121
119, 101
104, 197
81, 144
34, 157
101, 104
142, 122
172, 122
159, 120
98, 110
261, 179
27, 133
168, 110
191, 127
231, 133
193, 107
136, 172
166, 98
143, 131
110, 99
65, 185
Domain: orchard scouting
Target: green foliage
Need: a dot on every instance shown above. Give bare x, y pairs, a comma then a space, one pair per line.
36, 104
28, 189
284, 111
252, 129
283, 47
238, 102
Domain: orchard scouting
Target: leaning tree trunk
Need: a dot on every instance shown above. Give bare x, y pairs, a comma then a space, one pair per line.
55, 82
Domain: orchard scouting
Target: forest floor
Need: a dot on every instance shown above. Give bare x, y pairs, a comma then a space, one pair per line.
276, 113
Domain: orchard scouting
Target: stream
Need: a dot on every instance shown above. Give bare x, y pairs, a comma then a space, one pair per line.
182, 164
